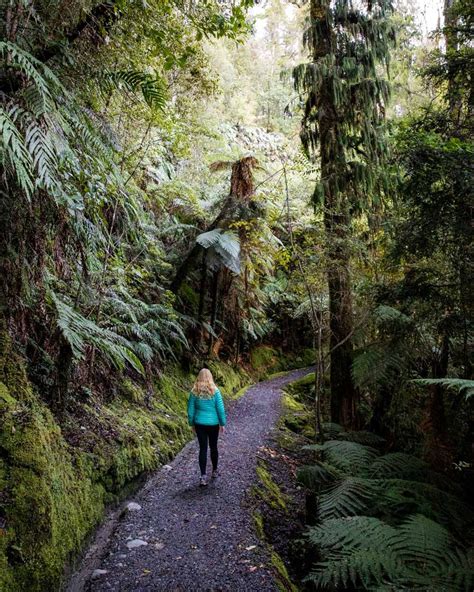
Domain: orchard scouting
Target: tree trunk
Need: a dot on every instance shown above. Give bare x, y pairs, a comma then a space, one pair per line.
336, 223
343, 396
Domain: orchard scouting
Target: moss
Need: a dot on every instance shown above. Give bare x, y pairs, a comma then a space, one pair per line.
132, 391
229, 379
264, 359
258, 525
270, 491
283, 581
52, 501
55, 480
303, 388
6, 400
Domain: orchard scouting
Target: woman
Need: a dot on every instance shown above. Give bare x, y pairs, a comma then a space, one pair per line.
206, 414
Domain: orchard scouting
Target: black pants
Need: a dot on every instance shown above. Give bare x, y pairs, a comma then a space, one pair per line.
205, 433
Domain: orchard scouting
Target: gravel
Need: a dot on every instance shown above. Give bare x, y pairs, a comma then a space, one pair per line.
198, 539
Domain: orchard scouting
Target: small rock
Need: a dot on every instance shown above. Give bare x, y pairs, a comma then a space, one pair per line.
133, 507
167, 467
136, 543
97, 573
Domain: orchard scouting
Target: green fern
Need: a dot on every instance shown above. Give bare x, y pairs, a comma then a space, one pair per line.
14, 154
223, 248
331, 430
152, 89
79, 331
397, 465
318, 475
348, 497
462, 386
361, 437
364, 550
350, 457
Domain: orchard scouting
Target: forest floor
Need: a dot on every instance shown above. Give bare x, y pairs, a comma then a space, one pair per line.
177, 536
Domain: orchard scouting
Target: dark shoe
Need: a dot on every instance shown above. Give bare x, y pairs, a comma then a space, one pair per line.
202, 481
215, 474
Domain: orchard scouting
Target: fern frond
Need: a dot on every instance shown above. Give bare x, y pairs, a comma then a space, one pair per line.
361, 437
318, 475
419, 555
224, 246
331, 429
14, 153
79, 331
152, 89
462, 386
350, 457
396, 465
400, 497
350, 497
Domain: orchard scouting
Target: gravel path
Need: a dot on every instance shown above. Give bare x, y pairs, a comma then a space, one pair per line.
196, 539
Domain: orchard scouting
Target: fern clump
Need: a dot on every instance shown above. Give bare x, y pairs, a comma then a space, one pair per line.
385, 521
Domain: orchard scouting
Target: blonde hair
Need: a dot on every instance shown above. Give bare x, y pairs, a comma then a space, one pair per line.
204, 384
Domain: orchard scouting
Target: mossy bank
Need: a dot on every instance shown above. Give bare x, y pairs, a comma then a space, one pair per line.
58, 475
277, 501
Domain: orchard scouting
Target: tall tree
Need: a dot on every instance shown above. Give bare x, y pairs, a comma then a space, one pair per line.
344, 97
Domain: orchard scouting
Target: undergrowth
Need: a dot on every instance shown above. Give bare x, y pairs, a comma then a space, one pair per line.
384, 521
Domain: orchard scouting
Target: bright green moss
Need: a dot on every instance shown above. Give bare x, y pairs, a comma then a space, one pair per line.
258, 525
283, 580
269, 490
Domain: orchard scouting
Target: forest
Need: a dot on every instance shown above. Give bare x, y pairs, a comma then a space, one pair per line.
255, 187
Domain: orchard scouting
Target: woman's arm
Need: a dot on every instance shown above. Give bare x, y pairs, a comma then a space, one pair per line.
220, 408
191, 408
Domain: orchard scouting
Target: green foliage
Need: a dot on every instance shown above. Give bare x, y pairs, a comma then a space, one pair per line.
386, 523
79, 331
463, 387
223, 248
151, 88
346, 44
366, 551
347, 456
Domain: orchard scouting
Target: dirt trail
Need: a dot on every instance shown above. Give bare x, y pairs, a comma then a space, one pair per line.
184, 538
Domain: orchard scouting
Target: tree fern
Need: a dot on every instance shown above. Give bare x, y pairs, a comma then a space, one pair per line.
223, 248
396, 464
361, 437
331, 429
317, 476
14, 154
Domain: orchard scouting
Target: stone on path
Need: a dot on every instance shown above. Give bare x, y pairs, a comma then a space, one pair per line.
136, 543
133, 507
97, 573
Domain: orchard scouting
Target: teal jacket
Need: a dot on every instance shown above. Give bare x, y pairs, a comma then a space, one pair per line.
206, 411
